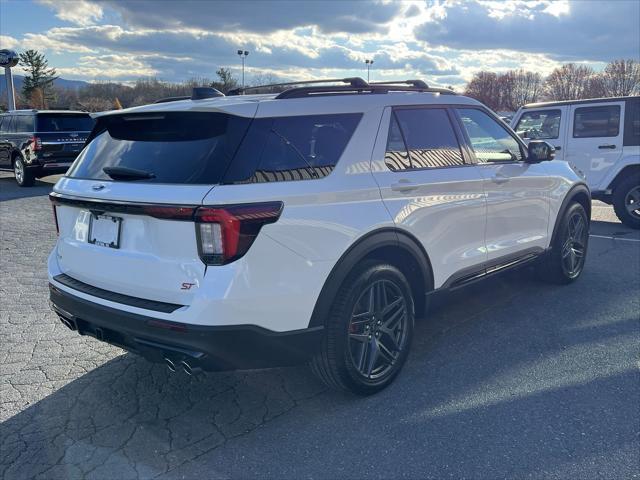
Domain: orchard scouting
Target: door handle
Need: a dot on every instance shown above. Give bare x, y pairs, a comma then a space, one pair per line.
403, 185
499, 178
602, 147
558, 148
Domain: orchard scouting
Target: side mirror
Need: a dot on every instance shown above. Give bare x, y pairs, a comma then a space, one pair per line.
540, 151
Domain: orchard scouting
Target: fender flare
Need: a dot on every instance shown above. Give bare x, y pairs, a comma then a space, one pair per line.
385, 237
575, 191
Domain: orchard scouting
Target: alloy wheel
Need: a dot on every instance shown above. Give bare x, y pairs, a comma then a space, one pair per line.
378, 329
18, 171
575, 245
632, 202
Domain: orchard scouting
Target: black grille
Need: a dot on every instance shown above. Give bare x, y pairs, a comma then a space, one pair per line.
116, 297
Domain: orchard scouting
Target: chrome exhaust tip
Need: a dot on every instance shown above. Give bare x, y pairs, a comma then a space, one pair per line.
170, 365
187, 368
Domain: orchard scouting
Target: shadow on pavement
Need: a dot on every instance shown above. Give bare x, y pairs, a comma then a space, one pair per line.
9, 189
510, 378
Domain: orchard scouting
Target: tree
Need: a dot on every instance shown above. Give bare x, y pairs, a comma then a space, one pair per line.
525, 87
572, 82
36, 100
621, 78
505, 91
226, 81
484, 87
39, 76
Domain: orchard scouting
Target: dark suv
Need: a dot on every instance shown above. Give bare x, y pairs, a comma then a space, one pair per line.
37, 143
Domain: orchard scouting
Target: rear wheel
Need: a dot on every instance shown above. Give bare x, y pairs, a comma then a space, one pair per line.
566, 261
369, 331
24, 176
626, 201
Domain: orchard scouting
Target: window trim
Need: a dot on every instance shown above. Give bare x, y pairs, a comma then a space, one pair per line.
575, 112
521, 144
466, 158
525, 112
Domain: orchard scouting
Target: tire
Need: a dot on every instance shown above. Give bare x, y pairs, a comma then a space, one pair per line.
565, 262
626, 201
368, 332
24, 176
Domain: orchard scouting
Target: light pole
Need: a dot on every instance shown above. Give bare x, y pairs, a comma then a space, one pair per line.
369, 63
243, 54
8, 59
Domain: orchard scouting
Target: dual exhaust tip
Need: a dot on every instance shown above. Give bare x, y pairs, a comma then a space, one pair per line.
173, 366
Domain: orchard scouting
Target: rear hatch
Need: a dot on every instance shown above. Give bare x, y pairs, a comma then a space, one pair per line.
125, 209
61, 136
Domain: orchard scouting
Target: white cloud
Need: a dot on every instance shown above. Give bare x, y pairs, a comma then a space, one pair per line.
79, 12
8, 42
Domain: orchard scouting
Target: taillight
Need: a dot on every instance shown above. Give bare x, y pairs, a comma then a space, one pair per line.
37, 143
226, 233
55, 217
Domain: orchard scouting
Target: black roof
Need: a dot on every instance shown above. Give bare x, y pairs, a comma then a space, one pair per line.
578, 102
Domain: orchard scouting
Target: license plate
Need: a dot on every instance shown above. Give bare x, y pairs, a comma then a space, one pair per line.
104, 230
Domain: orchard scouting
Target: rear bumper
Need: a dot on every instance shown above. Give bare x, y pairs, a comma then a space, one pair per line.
212, 348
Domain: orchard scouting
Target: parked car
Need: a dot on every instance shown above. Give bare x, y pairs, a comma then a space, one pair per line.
309, 226
601, 137
37, 143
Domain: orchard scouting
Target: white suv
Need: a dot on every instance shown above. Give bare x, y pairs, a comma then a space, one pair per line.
601, 137
259, 230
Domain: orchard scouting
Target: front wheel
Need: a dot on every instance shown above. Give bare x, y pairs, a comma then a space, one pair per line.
626, 201
24, 176
565, 262
369, 331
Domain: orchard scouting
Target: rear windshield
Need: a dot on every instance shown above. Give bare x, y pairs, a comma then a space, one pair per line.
212, 148
175, 147
50, 122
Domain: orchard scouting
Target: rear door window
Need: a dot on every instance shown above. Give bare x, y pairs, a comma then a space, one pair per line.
591, 122
292, 148
539, 125
64, 122
172, 147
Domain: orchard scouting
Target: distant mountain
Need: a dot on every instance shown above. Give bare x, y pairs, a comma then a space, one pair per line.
19, 79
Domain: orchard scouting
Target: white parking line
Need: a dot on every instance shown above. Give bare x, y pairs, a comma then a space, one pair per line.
616, 238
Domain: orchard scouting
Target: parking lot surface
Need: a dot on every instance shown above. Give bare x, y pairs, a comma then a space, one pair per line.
510, 378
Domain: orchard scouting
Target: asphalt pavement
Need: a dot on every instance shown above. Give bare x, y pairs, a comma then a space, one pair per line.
509, 378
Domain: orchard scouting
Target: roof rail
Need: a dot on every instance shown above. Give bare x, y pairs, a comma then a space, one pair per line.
364, 87
414, 83
352, 81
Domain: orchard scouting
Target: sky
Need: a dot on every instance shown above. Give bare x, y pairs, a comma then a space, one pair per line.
441, 41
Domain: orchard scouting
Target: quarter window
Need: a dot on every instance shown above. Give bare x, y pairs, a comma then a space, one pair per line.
596, 121
539, 125
23, 123
490, 141
421, 138
292, 148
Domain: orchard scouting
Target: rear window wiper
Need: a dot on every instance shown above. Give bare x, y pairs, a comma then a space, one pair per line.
125, 173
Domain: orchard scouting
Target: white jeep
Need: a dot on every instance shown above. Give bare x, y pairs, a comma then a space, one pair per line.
601, 137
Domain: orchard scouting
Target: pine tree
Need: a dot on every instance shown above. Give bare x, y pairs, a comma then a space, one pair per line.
39, 76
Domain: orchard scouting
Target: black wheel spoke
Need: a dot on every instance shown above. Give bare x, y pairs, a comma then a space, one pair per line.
386, 355
376, 336
374, 352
